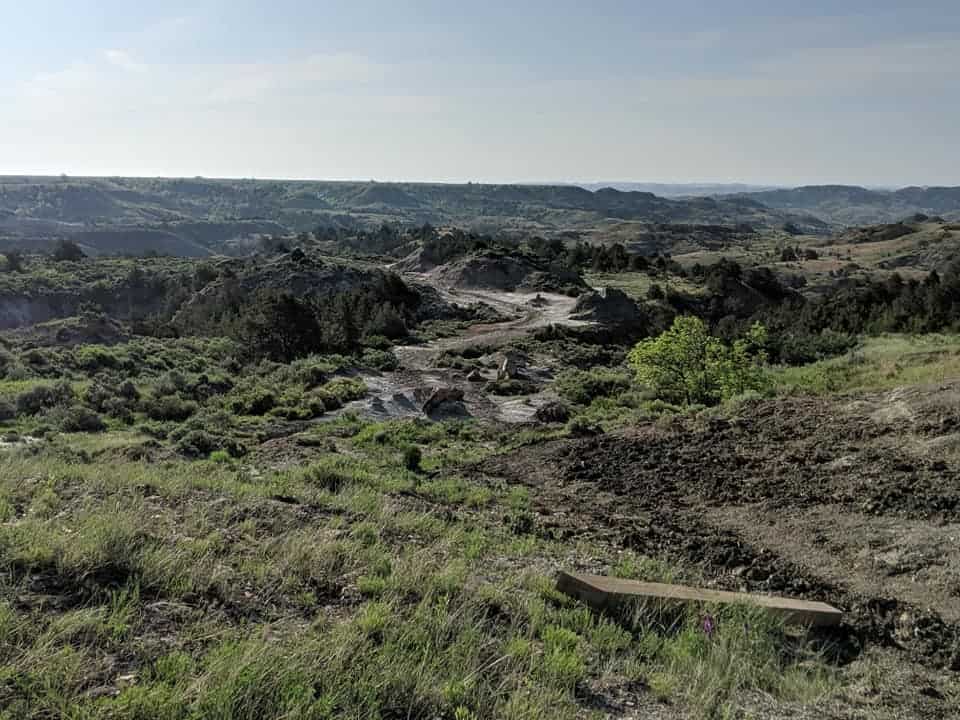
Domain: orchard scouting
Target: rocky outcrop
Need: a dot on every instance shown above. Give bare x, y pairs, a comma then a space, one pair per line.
506, 272
300, 274
611, 307
511, 365
440, 397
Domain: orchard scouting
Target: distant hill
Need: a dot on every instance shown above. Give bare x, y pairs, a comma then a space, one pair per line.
852, 205
198, 216
679, 190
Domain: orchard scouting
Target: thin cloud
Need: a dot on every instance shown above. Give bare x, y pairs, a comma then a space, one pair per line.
123, 60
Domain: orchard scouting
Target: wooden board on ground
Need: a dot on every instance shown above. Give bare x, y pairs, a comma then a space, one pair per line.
604, 593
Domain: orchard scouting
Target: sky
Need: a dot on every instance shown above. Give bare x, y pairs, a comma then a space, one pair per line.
760, 91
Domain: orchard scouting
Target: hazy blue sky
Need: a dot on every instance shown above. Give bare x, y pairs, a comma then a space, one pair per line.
864, 91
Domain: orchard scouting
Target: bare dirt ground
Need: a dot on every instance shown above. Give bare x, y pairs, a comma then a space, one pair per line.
849, 501
401, 393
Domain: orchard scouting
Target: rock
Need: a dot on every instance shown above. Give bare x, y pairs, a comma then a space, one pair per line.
475, 376
441, 395
510, 366
609, 306
552, 412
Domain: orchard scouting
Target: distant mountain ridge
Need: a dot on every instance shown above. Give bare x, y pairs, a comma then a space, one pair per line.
680, 190
854, 205
198, 216
165, 212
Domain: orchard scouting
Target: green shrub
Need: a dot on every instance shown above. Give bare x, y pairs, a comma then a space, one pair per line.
116, 399
76, 418
412, 457
35, 358
581, 387
801, 348
686, 364
257, 402
325, 477
207, 432
43, 397
379, 359
581, 427
95, 357
197, 444
336, 393
8, 411
169, 407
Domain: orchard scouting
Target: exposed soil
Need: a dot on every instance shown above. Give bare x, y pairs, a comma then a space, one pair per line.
837, 500
401, 393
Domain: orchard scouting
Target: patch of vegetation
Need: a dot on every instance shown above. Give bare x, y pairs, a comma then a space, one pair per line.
688, 365
878, 363
582, 387
426, 615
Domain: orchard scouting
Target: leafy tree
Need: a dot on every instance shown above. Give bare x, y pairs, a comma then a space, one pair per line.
280, 327
688, 365
740, 367
387, 322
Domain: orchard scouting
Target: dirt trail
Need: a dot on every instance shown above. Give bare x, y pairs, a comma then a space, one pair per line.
401, 393
528, 311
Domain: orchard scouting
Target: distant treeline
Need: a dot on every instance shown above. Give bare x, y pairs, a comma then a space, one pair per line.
803, 329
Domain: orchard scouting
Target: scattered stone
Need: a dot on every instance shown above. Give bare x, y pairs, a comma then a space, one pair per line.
441, 395
126, 680
510, 366
475, 376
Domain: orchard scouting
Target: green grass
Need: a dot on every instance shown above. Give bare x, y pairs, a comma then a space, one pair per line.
637, 284
345, 580
380, 592
880, 363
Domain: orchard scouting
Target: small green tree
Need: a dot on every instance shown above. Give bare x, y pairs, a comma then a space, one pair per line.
741, 366
280, 327
687, 365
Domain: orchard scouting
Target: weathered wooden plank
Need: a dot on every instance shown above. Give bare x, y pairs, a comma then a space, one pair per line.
604, 593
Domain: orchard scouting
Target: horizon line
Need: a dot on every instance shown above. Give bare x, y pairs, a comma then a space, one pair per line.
518, 183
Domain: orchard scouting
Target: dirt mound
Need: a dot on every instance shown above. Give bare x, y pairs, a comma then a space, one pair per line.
821, 499
782, 451
505, 272
609, 306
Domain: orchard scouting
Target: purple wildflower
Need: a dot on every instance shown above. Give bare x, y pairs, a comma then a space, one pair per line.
709, 626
